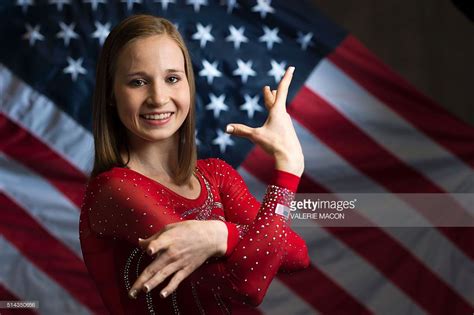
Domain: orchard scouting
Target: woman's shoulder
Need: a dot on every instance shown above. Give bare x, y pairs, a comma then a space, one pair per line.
214, 165
111, 176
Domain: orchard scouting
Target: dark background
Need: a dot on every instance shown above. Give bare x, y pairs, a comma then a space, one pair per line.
430, 43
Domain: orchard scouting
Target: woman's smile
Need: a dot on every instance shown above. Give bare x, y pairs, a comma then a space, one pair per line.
157, 119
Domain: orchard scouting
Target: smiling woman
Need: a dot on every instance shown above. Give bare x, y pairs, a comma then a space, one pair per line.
155, 77
162, 232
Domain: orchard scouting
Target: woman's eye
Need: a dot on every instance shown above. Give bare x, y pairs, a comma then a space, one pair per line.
173, 79
138, 82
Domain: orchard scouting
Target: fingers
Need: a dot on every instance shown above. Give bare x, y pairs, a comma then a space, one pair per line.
240, 130
143, 243
282, 91
155, 246
151, 277
138, 284
160, 276
149, 244
268, 97
174, 282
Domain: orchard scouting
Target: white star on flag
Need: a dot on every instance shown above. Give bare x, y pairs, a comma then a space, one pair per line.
67, 32
203, 34
24, 4
251, 105
223, 140
237, 36
270, 37
101, 32
94, 3
244, 69
33, 34
210, 71
304, 39
231, 5
164, 3
130, 3
59, 3
264, 7
198, 142
196, 4
217, 104
278, 70
74, 67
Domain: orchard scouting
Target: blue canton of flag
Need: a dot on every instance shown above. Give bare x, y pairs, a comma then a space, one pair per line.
237, 48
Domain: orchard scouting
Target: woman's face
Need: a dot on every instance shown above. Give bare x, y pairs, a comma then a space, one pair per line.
151, 89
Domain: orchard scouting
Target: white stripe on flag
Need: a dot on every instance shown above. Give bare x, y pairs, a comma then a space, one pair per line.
390, 130
27, 282
327, 168
42, 201
280, 300
37, 114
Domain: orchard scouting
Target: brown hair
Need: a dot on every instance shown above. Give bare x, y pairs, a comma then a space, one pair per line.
109, 132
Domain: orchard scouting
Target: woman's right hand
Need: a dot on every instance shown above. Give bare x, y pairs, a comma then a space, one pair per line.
277, 136
180, 248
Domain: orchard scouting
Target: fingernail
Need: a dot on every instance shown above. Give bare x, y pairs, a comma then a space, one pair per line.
150, 252
133, 293
146, 288
292, 69
140, 239
229, 129
163, 294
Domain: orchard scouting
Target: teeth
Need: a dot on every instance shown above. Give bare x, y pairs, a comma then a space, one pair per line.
157, 116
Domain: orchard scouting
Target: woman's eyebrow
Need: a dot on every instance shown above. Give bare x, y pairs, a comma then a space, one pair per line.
142, 73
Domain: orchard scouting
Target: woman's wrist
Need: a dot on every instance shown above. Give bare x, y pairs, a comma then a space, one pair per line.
293, 164
219, 239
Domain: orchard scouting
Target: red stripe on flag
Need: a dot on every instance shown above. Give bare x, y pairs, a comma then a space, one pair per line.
369, 157
369, 72
6, 295
322, 293
50, 255
19, 144
386, 254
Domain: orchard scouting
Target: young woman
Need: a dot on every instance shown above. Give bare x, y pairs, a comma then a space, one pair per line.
160, 231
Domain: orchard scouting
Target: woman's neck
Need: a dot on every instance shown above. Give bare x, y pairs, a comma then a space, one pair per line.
154, 159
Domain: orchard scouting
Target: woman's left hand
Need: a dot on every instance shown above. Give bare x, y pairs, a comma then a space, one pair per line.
181, 248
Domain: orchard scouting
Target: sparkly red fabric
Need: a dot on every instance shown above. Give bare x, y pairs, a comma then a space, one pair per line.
122, 205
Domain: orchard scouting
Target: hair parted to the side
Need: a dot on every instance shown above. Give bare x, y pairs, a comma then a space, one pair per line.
109, 132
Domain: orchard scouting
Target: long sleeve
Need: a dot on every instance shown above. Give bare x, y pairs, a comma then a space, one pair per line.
241, 209
122, 208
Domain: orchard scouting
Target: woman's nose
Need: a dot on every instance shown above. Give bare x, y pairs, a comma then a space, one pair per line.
158, 95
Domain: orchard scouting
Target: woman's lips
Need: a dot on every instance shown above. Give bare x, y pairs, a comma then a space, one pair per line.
156, 122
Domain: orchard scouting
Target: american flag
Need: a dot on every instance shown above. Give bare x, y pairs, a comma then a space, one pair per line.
363, 129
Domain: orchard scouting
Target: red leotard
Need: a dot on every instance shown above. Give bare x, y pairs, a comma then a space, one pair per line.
122, 205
